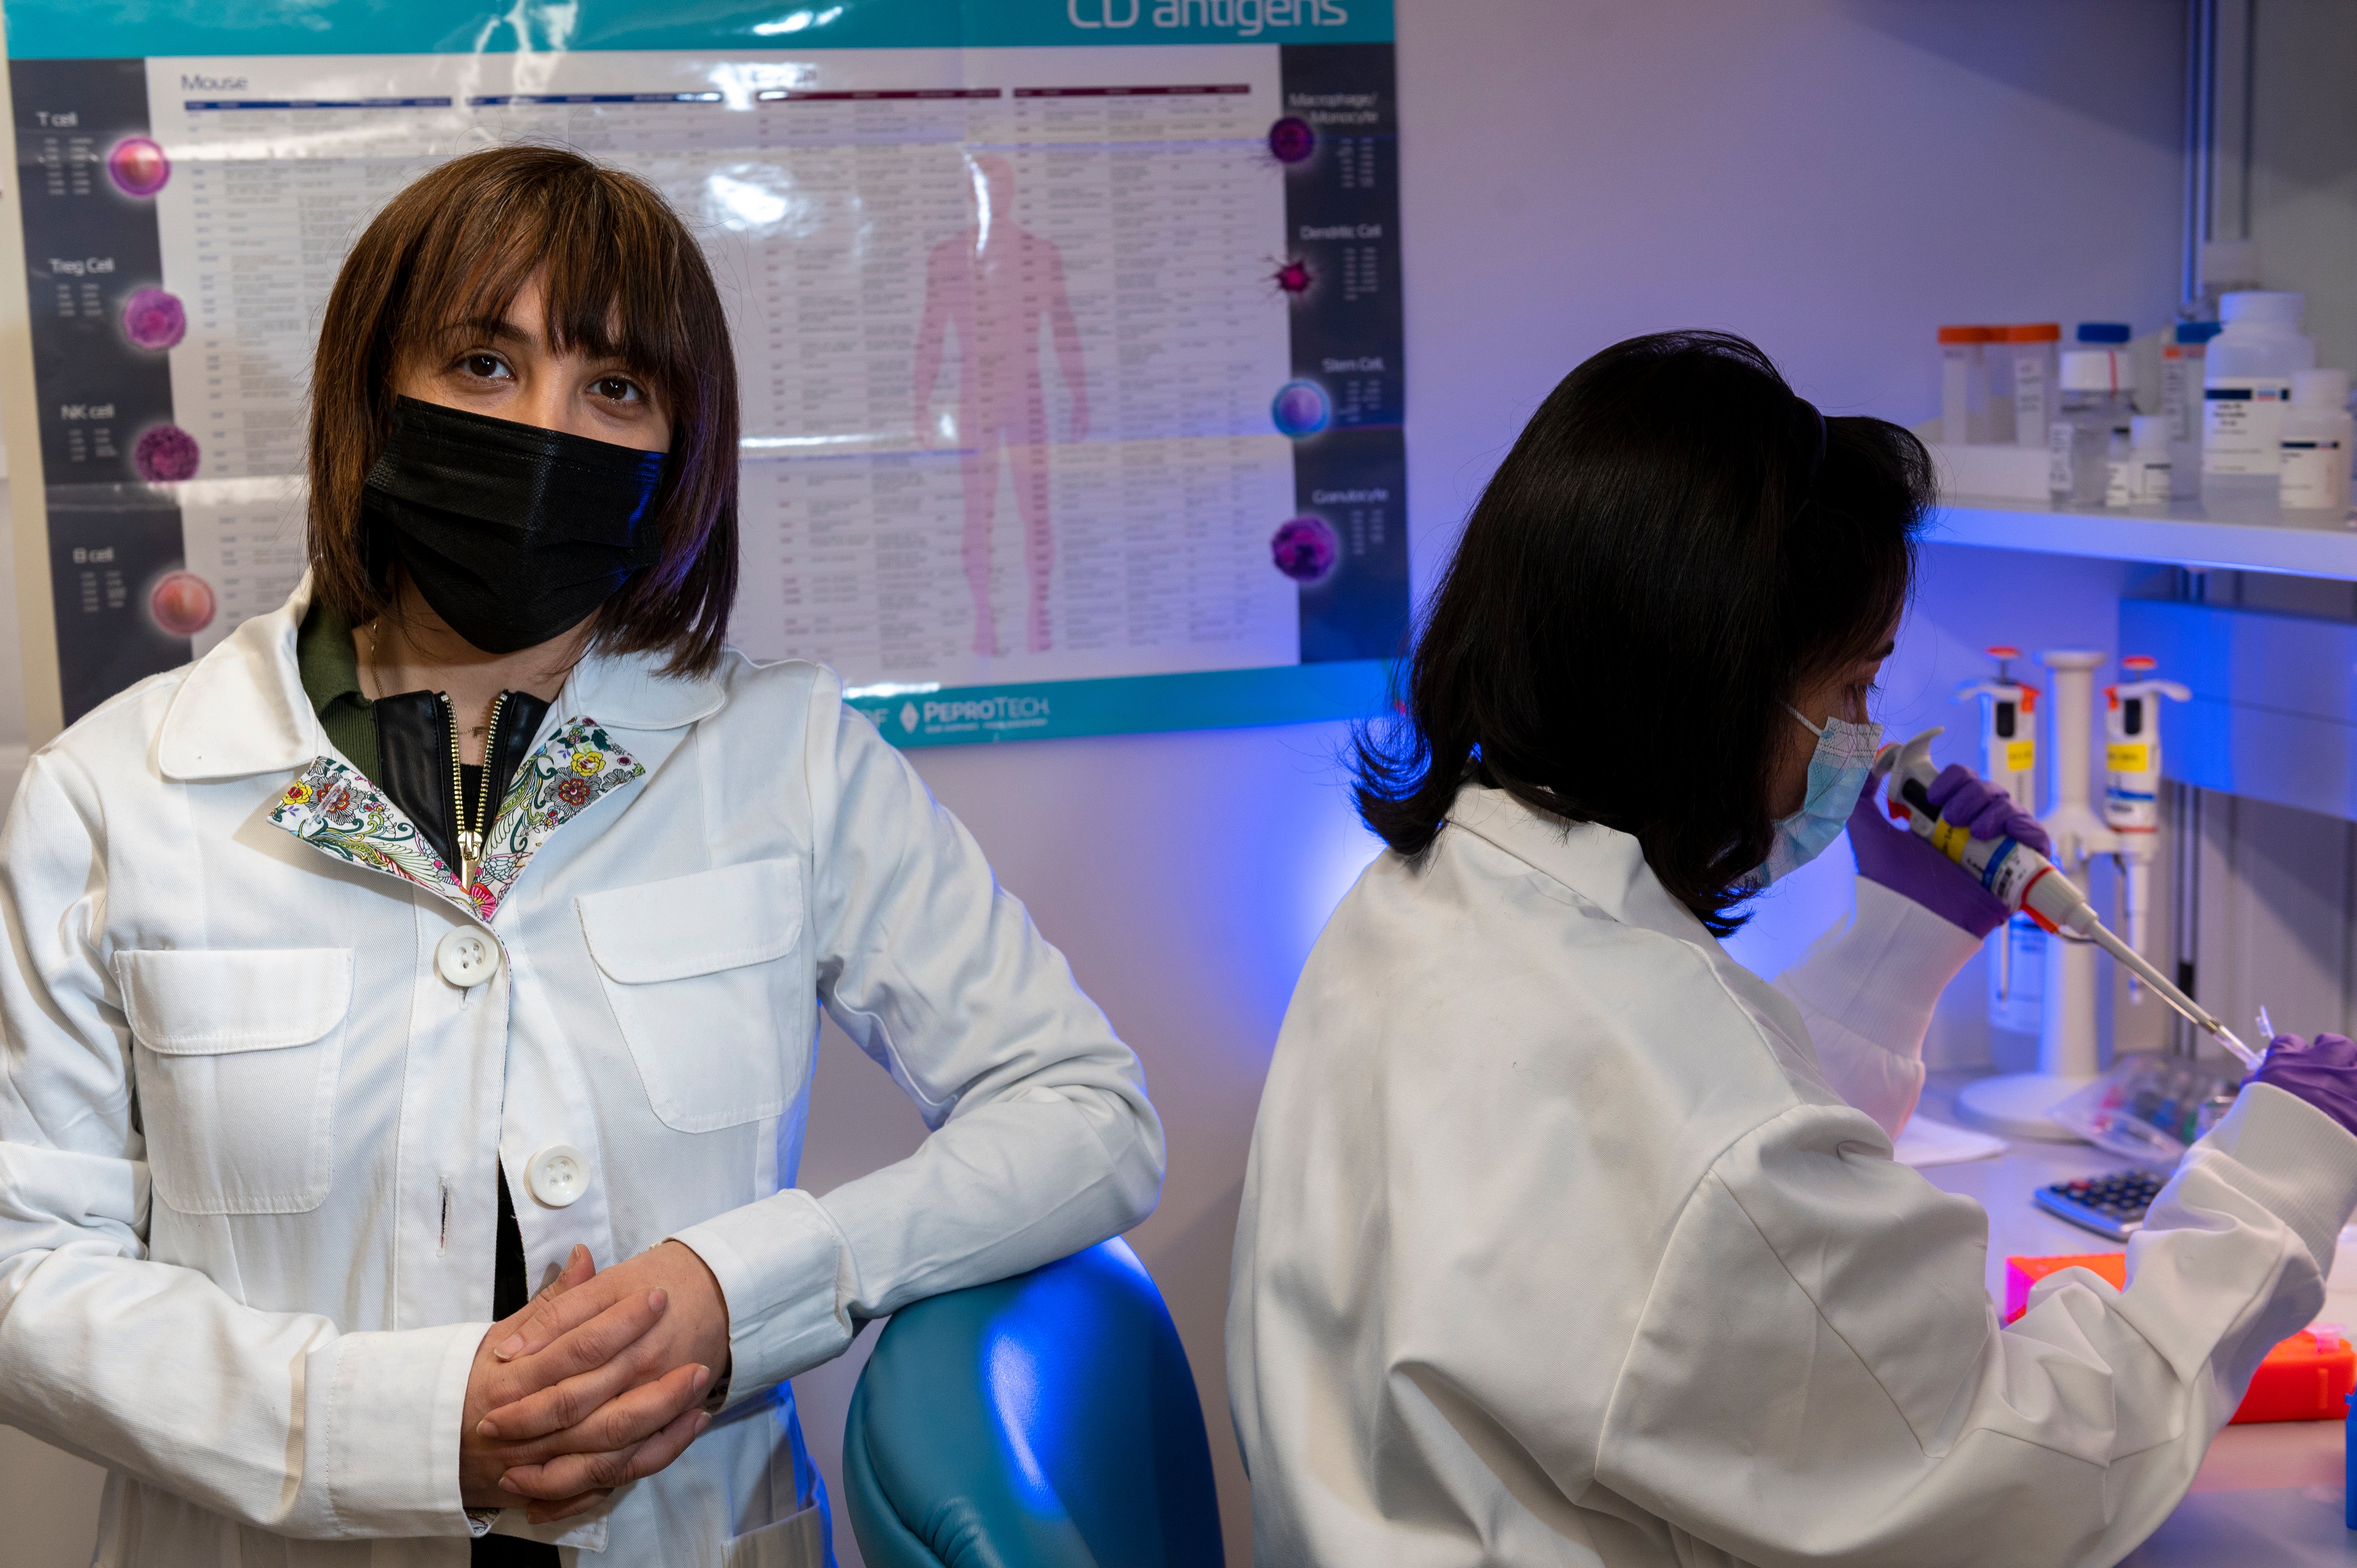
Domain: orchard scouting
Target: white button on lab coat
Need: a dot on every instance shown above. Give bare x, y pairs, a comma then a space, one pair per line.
1558, 1247
263, 1053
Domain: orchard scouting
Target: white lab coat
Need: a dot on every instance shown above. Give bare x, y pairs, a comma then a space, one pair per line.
1558, 1248
260, 1314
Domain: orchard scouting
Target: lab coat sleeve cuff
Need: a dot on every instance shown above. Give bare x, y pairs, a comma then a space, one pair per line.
388, 1408
1880, 975
2295, 1159
785, 1272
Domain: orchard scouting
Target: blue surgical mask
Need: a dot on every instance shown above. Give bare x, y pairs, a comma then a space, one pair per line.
1837, 773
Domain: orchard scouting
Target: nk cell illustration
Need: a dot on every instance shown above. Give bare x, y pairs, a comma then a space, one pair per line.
154, 319
1306, 548
137, 166
165, 454
1301, 409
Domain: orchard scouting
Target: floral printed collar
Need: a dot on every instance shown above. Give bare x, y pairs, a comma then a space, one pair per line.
335, 809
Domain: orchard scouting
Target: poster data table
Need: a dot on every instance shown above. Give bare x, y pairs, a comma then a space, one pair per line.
1070, 370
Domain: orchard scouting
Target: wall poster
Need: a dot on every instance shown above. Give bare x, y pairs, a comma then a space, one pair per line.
1068, 330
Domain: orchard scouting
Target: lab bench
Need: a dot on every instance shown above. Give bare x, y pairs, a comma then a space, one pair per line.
2269, 1493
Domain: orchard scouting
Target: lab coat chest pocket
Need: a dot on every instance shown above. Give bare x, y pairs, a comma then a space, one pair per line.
237, 1057
708, 981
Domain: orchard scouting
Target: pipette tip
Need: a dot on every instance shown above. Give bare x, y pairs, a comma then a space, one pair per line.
2226, 1037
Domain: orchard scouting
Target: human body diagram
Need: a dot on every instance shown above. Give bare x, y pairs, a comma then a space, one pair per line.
995, 284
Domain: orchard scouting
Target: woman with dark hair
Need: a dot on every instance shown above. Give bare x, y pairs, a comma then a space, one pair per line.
462, 926
1567, 1239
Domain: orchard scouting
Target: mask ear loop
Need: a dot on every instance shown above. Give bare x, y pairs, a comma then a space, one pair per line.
1817, 730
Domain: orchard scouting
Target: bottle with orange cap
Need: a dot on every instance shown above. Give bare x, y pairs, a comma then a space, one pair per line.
2029, 350
1963, 384
2132, 784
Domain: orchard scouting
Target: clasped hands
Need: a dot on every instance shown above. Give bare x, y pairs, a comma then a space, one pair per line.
599, 1380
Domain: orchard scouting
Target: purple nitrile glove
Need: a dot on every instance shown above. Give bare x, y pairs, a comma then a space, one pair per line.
1911, 868
2323, 1073
1984, 811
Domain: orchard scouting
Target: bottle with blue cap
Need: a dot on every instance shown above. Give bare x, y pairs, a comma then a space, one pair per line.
2097, 383
2181, 362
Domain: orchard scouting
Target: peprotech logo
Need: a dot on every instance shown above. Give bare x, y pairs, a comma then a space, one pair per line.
984, 713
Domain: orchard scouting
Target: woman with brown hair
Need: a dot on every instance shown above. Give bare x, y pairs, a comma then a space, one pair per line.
462, 925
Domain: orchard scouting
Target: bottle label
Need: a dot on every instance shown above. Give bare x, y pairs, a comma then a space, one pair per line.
2242, 425
2060, 472
2315, 475
2120, 482
2033, 407
2179, 378
2151, 481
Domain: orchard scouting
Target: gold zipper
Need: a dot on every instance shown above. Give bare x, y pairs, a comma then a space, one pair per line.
470, 840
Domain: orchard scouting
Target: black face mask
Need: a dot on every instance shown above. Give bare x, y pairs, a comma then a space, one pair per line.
513, 533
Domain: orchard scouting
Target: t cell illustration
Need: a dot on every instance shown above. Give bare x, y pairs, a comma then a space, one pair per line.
182, 604
152, 318
1305, 549
1292, 276
164, 455
138, 166
1301, 409
1290, 140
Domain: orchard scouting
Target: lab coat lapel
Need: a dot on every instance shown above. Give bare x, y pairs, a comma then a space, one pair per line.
1603, 865
243, 711
1607, 868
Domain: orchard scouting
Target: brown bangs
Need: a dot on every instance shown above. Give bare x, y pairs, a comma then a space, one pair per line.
620, 278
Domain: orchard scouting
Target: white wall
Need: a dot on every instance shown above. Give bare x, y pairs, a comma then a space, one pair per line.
1833, 178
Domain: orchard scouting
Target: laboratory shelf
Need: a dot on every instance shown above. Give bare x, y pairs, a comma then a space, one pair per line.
2179, 534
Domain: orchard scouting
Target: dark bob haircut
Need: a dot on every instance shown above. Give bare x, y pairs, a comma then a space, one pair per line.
621, 277
1661, 562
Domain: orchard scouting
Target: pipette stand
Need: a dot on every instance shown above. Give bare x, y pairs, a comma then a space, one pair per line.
2021, 1104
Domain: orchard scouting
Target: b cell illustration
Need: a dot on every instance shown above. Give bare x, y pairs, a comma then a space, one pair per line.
1305, 549
182, 604
1301, 409
1291, 140
152, 318
164, 455
138, 166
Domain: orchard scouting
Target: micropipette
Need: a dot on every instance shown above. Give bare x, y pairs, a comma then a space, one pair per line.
2024, 880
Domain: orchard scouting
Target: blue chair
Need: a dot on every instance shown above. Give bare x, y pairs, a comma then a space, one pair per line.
1049, 1420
